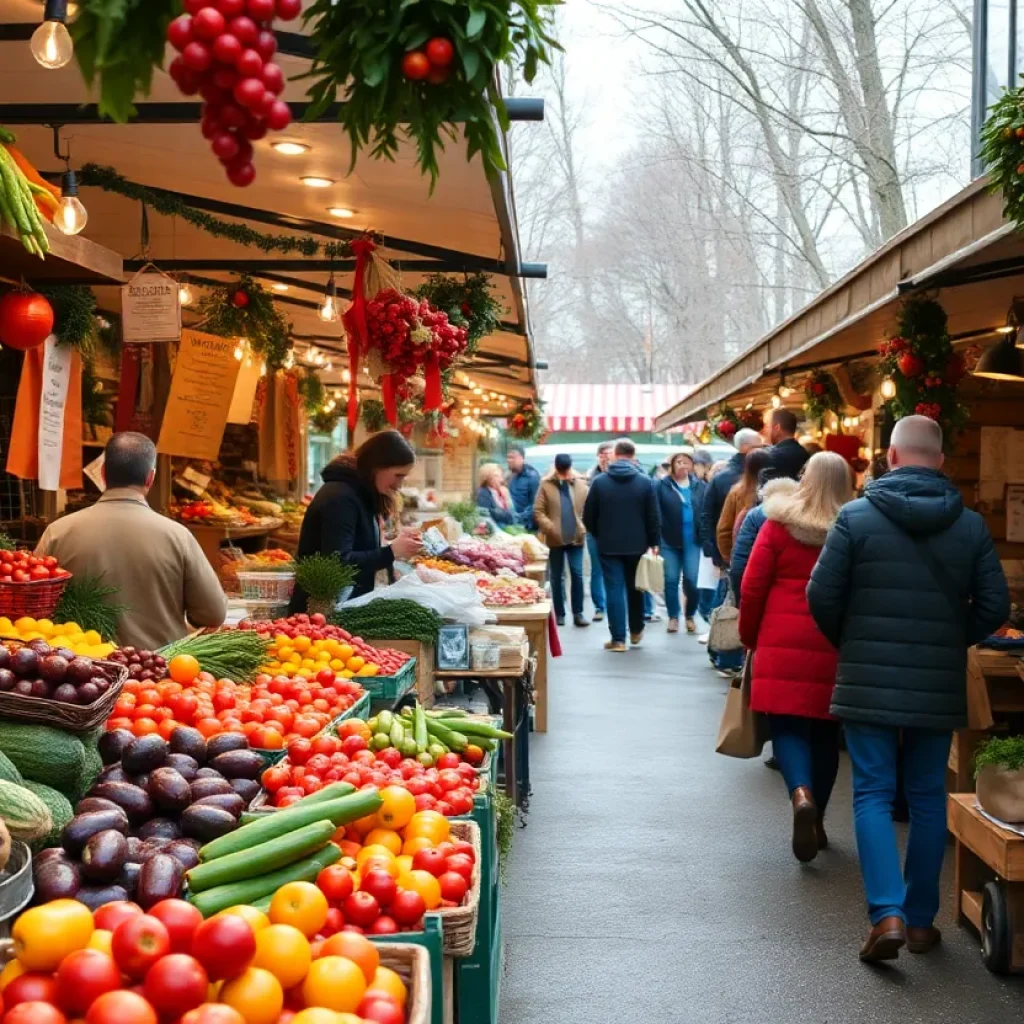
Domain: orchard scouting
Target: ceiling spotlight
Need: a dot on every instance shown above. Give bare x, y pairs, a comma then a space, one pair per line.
289, 148
341, 211
51, 43
314, 182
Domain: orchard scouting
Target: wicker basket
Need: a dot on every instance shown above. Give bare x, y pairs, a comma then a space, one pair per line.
73, 717
37, 599
412, 964
266, 586
458, 924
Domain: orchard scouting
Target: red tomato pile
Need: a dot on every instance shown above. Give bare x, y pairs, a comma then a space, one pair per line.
270, 713
24, 567
447, 787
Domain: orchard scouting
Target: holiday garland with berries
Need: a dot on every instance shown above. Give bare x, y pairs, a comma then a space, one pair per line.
821, 397
467, 301
526, 423
1002, 151
246, 310
727, 421
373, 415
926, 371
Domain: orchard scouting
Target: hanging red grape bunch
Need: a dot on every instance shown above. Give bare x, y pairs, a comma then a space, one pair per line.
226, 54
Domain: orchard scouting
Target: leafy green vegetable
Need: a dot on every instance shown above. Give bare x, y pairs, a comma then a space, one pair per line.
236, 654
464, 513
1002, 751
391, 620
86, 600
324, 577
74, 315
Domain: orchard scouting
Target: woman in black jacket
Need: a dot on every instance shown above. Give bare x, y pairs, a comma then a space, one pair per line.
347, 512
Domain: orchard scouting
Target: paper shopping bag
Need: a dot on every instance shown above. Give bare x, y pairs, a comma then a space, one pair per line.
742, 732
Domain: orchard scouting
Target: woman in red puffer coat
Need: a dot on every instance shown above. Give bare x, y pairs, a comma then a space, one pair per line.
794, 666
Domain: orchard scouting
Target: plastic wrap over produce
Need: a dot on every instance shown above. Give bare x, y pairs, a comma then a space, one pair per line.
453, 597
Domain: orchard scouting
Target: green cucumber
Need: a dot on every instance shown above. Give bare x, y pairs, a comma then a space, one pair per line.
248, 817
419, 729
448, 713
380, 741
397, 734
213, 901
455, 740
384, 720
258, 860
332, 792
262, 904
342, 811
467, 727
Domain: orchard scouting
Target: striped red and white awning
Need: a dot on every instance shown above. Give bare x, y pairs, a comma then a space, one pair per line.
611, 408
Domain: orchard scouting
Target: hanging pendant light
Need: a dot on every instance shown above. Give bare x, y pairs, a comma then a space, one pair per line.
1004, 360
51, 43
71, 216
329, 307
888, 388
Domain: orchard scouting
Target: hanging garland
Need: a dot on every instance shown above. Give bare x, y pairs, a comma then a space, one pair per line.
323, 421
527, 422
311, 388
467, 301
423, 71
96, 406
821, 396
74, 315
727, 421
246, 309
374, 417
1002, 151
926, 371
109, 180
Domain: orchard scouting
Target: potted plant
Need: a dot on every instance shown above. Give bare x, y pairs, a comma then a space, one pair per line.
999, 771
325, 579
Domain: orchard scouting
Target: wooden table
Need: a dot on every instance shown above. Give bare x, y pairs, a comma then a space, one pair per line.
424, 655
1001, 674
989, 882
536, 571
534, 619
210, 537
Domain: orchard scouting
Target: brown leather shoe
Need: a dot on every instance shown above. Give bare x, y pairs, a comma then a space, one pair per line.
884, 941
923, 940
805, 825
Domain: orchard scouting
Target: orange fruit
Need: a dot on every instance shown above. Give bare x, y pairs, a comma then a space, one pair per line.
354, 664
364, 826
183, 668
357, 948
372, 852
256, 918
398, 808
300, 904
334, 982
425, 884
385, 837
256, 994
12, 969
404, 863
386, 980
428, 825
413, 846
315, 1015
284, 951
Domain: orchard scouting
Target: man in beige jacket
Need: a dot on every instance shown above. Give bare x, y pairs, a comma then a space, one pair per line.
558, 510
160, 571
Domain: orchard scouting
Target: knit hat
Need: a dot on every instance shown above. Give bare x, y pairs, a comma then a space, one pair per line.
702, 457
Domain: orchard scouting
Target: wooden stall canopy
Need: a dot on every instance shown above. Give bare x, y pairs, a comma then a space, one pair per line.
963, 253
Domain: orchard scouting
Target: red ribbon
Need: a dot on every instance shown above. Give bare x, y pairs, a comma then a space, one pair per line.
355, 321
432, 396
387, 394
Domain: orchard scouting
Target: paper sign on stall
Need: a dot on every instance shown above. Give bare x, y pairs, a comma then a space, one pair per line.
52, 399
201, 390
1015, 513
995, 443
150, 308
245, 392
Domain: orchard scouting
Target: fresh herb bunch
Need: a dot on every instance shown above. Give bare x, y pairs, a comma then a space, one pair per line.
6, 544
86, 600
311, 387
464, 513
324, 577
258, 320
74, 315
391, 620
1002, 751
359, 46
120, 44
1002, 151
236, 654
374, 416
467, 301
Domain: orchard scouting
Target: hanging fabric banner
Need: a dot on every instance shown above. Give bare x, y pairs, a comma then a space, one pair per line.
355, 324
52, 400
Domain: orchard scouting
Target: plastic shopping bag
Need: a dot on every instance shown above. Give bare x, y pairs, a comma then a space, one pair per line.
455, 598
650, 574
708, 574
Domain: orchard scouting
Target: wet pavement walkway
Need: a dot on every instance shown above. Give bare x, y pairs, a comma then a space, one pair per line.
653, 881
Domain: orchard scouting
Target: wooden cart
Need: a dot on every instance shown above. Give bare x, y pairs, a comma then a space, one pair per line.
989, 882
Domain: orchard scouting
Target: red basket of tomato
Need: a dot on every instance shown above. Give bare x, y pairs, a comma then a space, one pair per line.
30, 584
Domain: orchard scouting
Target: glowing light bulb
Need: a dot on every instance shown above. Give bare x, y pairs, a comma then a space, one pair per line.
71, 216
239, 352
776, 401
263, 369
328, 312
51, 44
185, 295
785, 392
888, 388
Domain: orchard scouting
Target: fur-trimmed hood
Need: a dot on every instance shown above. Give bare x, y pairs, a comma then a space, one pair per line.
781, 505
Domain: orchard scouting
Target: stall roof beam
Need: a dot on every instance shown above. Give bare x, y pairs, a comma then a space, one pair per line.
535, 271
188, 112
960, 276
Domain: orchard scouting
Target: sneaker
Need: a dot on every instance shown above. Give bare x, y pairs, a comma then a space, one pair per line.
578, 620
703, 638
599, 615
673, 626
559, 620
615, 646
635, 638
653, 617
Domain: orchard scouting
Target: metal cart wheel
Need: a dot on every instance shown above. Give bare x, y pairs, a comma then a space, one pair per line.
995, 929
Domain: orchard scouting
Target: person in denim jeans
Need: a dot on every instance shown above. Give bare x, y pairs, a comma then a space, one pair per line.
597, 591
680, 499
907, 581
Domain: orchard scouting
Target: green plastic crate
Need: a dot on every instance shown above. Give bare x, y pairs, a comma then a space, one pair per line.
391, 687
478, 978
431, 940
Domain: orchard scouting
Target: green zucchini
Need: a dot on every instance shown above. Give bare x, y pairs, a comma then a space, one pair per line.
397, 734
213, 901
262, 904
454, 740
419, 729
342, 811
258, 860
384, 720
470, 728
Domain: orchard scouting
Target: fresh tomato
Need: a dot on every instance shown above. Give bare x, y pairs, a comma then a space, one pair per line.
83, 977
110, 915
361, 908
336, 882
138, 942
449, 761
275, 778
453, 886
34, 1013
384, 925
176, 984
381, 886
213, 1013
180, 919
379, 1008
461, 864
32, 987
430, 859
121, 1008
300, 750
407, 908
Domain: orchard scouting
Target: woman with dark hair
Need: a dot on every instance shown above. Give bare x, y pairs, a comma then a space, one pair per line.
347, 513
741, 499
681, 500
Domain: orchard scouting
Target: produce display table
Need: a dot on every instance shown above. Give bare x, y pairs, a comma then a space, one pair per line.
989, 883
999, 674
424, 655
536, 571
534, 619
210, 538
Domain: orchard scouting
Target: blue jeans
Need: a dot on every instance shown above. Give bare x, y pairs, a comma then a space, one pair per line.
597, 594
680, 564
574, 556
708, 600
807, 750
625, 602
910, 891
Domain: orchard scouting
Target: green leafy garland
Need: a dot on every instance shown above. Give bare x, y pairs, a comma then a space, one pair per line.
109, 180
1002, 151
926, 371
257, 319
359, 50
323, 421
121, 43
467, 301
373, 415
727, 421
821, 396
311, 388
74, 315
526, 423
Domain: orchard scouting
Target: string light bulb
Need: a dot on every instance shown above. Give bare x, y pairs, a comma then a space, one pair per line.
888, 388
185, 296
329, 307
239, 352
776, 402
51, 43
71, 216
784, 391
